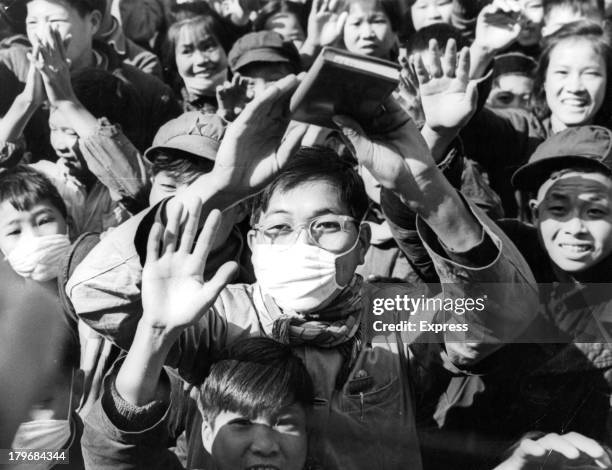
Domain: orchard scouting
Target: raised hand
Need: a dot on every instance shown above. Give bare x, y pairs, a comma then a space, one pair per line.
174, 294
233, 97
448, 97
498, 25
54, 67
256, 145
325, 23
554, 451
233, 10
34, 90
396, 159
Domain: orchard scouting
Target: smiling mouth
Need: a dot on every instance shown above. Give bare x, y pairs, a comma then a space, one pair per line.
575, 103
576, 248
204, 74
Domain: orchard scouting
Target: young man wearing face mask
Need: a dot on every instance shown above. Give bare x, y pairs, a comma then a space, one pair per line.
307, 243
34, 239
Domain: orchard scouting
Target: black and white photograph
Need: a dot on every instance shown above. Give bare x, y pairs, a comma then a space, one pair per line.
306, 234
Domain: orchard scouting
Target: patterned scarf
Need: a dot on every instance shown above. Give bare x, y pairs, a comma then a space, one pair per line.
335, 326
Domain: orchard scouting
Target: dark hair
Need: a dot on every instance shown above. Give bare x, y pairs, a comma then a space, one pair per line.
317, 164
584, 7
274, 7
602, 44
441, 32
83, 7
23, 187
105, 95
179, 165
389, 7
194, 15
255, 376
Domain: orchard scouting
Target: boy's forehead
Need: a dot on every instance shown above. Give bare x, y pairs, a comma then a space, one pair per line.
577, 184
9, 213
309, 198
365, 6
48, 6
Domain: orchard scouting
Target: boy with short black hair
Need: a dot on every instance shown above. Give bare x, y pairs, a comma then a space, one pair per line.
34, 223
257, 383
513, 81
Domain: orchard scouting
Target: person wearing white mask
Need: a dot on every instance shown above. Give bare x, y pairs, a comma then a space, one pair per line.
34, 238
33, 224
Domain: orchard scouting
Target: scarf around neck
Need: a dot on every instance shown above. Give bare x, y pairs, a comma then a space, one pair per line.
336, 326
326, 328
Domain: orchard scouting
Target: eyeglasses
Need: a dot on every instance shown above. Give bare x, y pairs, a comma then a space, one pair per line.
331, 232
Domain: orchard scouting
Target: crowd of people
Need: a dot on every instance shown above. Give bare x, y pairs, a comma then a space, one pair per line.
193, 280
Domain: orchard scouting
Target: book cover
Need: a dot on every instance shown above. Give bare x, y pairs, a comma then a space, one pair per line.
340, 82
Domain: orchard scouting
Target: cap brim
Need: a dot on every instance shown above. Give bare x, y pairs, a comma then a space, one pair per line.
531, 176
193, 145
259, 56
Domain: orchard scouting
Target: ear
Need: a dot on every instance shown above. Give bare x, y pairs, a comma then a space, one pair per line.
242, 211
208, 436
95, 21
251, 238
365, 235
535, 212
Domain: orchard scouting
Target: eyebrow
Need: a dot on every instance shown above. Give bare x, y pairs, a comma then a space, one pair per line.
325, 211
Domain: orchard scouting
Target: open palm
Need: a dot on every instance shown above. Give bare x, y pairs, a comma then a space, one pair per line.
256, 145
447, 95
174, 294
325, 22
498, 25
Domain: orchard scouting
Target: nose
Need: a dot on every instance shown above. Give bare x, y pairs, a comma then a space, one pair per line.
264, 441
574, 83
59, 142
201, 57
366, 30
303, 236
433, 13
575, 225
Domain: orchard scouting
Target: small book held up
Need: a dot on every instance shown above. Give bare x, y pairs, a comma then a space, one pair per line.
340, 82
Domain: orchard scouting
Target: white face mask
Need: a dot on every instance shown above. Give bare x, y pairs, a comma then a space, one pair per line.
39, 257
45, 434
300, 277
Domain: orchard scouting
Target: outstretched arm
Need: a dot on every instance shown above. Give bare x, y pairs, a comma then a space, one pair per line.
402, 161
174, 296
